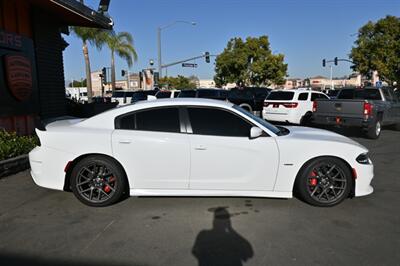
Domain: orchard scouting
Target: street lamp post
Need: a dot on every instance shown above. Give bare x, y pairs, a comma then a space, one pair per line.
159, 40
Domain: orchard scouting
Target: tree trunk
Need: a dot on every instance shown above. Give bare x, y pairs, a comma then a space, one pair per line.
88, 72
112, 72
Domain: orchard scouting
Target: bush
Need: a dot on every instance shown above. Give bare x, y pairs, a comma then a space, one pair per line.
12, 145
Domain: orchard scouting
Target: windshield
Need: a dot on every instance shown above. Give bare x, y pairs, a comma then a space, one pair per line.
264, 123
281, 95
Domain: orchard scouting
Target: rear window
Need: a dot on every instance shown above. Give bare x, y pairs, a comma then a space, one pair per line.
281, 95
118, 94
187, 94
129, 93
366, 94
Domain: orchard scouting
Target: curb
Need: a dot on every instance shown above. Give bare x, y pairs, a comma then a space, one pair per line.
14, 165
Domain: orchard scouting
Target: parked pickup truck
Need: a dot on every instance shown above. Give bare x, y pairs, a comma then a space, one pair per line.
368, 108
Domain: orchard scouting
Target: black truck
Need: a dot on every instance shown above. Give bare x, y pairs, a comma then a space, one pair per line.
368, 109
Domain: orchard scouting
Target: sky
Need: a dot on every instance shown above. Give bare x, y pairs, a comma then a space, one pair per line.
305, 31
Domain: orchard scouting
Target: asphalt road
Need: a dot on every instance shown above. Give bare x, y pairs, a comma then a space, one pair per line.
44, 227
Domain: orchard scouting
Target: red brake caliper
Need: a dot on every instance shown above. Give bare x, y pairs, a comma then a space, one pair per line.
107, 187
313, 180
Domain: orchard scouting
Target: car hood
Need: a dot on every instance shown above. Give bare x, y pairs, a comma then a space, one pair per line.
307, 133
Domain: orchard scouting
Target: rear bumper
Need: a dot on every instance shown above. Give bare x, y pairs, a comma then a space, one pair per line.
343, 121
47, 167
280, 117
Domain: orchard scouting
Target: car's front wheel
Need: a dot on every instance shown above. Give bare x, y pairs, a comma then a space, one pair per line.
324, 182
98, 181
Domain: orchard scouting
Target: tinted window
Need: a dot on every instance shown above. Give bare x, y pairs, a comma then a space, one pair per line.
138, 96
387, 95
303, 96
315, 96
216, 122
212, 94
346, 94
187, 94
118, 94
367, 94
244, 94
281, 95
162, 119
129, 93
333, 93
163, 94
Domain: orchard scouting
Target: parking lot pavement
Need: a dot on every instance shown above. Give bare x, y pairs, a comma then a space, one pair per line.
44, 227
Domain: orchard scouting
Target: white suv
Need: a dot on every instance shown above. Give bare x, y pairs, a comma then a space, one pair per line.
291, 106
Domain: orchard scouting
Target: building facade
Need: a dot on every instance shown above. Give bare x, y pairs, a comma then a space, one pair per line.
32, 81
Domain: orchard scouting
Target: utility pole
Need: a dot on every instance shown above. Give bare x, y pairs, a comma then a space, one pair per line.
159, 50
332, 87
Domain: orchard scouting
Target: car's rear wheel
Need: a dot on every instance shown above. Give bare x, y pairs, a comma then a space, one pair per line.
98, 181
324, 182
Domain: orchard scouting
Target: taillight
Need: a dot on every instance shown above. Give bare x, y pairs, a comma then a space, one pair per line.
367, 109
290, 105
314, 106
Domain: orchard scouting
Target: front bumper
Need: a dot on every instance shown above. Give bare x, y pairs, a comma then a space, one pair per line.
365, 174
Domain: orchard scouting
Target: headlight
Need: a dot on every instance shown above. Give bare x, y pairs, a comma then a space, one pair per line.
363, 159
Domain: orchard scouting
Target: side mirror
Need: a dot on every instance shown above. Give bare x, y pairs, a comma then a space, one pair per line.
256, 132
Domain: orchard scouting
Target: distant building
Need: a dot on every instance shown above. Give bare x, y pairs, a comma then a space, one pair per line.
206, 83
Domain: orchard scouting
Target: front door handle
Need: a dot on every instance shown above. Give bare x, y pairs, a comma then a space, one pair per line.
125, 141
200, 148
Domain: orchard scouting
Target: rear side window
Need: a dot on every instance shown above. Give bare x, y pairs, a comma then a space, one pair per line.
315, 96
163, 94
303, 96
187, 94
216, 122
281, 95
367, 94
161, 119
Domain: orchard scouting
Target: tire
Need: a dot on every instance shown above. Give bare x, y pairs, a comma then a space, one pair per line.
306, 119
374, 131
319, 187
247, 107
98, 181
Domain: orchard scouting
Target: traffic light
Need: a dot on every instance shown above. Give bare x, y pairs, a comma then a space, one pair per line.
123, 72
104, 73
207, 56
336, 61
323, 62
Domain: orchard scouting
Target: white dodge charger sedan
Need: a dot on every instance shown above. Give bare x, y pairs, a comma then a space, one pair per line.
196, 147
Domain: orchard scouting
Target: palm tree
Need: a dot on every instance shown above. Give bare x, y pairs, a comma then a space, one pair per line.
95, 37
121, 44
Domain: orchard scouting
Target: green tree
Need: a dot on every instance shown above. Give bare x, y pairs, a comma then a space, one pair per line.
378, 48
249, 62
94, 37
179, 82
77, 83
121, 44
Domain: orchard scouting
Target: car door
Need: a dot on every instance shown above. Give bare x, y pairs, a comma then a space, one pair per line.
223, 157
152, 147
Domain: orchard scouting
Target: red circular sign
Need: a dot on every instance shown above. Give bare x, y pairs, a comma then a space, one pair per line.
19, 76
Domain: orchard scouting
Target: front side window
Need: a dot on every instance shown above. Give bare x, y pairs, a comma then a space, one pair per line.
217, 122
160, 119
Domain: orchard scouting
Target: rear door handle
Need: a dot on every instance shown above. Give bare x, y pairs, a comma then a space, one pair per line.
200, 148
125, 141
